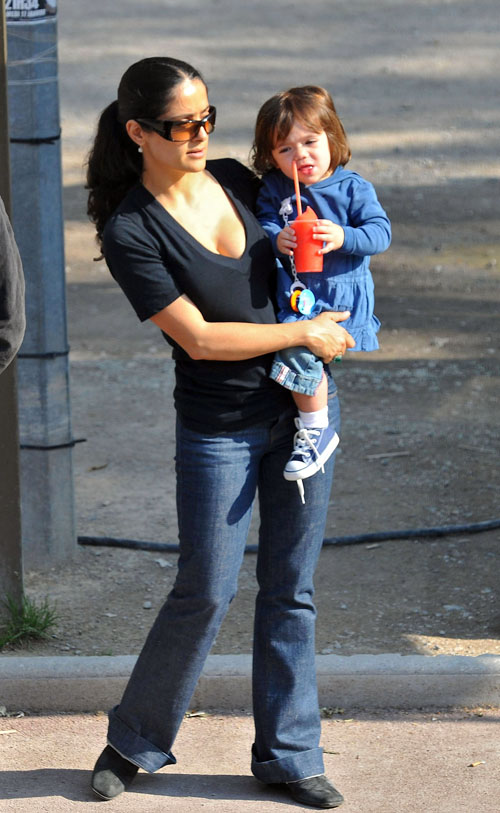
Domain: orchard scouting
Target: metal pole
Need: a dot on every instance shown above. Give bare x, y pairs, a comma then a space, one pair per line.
11, 563
47, 490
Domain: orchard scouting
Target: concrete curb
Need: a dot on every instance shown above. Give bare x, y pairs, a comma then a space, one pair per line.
69, 683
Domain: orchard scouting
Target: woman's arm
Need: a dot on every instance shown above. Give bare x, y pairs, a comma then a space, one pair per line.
235, 341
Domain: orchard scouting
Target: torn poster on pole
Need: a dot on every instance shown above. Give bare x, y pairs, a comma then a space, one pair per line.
24, 11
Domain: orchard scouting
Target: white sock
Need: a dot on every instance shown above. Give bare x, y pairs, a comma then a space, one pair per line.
315, 420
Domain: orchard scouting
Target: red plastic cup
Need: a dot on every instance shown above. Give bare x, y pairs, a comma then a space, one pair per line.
306, 255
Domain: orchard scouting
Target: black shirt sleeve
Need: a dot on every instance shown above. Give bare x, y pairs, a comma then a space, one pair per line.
134, 257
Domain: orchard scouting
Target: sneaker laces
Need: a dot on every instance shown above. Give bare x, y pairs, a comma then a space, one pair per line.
302, 441
300, 486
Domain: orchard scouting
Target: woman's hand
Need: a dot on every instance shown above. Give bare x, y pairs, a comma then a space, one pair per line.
325, 338
286, 241
331, 234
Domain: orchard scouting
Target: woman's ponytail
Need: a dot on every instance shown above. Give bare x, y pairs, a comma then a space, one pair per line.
114, 166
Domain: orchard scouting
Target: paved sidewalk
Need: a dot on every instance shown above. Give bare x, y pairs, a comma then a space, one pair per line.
388, 762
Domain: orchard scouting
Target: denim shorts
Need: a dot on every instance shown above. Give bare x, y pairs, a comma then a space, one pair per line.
297, 369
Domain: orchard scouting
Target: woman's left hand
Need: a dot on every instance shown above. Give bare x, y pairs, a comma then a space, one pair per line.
325, 338
331, 234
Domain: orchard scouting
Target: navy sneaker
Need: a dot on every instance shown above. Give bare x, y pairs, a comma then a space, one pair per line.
311, 450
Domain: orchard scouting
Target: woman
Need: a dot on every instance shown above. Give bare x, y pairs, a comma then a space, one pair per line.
179, 236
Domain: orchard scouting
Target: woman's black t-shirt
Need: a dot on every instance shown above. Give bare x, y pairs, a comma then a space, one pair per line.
155, 260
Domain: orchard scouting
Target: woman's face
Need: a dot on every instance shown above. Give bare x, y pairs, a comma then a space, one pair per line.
190, 101
309, 149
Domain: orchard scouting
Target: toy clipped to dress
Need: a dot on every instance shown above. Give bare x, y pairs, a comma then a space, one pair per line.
306, 257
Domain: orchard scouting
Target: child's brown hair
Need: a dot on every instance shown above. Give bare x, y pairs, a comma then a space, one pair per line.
310, 104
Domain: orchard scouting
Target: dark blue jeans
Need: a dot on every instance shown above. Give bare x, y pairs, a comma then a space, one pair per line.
217, 480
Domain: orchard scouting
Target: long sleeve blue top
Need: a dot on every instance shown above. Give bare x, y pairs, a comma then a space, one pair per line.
346, 282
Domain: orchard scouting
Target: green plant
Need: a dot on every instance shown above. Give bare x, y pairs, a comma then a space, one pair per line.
28, 620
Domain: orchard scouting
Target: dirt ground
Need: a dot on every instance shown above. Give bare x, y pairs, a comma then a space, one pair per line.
420, 432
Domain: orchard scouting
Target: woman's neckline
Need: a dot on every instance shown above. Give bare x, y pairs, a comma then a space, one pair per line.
190, 236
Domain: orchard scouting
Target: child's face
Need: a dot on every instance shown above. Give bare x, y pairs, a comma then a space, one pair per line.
309, 149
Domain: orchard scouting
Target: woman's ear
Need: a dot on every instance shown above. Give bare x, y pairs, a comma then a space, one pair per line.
135, 132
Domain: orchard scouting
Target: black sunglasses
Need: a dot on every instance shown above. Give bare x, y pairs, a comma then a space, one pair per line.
181, 130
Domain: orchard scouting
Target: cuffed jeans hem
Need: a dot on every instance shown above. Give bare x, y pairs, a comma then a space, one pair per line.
291, 380
135, 748
300, 765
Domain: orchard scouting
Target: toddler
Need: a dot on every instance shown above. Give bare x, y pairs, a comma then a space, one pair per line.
301, 126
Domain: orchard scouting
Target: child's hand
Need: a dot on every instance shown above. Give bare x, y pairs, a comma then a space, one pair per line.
286, 241
330, 233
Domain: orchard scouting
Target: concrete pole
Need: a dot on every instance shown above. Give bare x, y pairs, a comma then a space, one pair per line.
11, 562
47, 488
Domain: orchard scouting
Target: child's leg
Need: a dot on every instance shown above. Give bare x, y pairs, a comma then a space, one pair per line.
313, 409
315, 441
301, 372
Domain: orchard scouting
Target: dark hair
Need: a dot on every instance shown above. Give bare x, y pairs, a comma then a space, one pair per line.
114, 164
309, 104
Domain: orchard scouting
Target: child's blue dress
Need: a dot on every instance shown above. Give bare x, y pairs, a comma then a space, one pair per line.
346, 282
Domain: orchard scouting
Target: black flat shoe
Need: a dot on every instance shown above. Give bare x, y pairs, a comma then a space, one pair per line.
112, 774
317, 791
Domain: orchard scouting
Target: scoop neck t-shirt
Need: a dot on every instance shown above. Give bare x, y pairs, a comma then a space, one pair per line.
155, 260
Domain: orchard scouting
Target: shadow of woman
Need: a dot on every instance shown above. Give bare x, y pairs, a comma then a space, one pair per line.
74, 785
